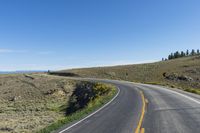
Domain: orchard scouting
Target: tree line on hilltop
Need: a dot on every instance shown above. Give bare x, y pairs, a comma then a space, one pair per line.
178, 54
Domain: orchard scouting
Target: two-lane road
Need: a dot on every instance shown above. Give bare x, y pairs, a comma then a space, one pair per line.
167, 111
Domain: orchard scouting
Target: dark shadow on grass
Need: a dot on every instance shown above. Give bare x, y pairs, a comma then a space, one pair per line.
66, 74
81, 96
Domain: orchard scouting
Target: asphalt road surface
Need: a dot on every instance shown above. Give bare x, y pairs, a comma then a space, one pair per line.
166, 111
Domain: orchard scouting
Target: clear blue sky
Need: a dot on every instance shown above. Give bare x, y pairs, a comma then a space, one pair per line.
57, 34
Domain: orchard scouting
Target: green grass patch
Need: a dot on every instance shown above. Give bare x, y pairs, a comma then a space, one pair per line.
195, 91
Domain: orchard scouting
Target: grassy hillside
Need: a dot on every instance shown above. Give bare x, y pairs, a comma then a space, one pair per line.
182, 72
31, 102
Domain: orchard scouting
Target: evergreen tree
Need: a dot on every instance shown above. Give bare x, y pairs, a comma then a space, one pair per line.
176, 54
187, 53
193, 52
169, 57
182, 54
172, 56
198, 52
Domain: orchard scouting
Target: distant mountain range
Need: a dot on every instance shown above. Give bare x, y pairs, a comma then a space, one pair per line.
21, 71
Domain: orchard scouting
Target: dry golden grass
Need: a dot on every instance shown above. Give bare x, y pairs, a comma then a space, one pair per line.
31, 102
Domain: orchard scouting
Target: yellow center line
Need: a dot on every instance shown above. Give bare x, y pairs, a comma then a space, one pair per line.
138, 129
146, 101
142, 130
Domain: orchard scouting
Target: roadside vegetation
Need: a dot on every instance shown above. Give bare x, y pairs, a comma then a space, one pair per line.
182, 73
83, 102
31, 102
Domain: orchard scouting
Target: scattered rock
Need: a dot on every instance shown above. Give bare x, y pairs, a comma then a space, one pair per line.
15, 98
28, 76
164, 74
50, 92
6, 129
185, 78
186, 66
175, 76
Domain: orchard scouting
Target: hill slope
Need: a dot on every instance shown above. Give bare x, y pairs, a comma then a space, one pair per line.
181, 73
31, 102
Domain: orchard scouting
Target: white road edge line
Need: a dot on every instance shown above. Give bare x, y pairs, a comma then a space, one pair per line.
180, 94
92, 113
192, 99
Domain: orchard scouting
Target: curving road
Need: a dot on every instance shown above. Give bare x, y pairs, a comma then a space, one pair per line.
166, 111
